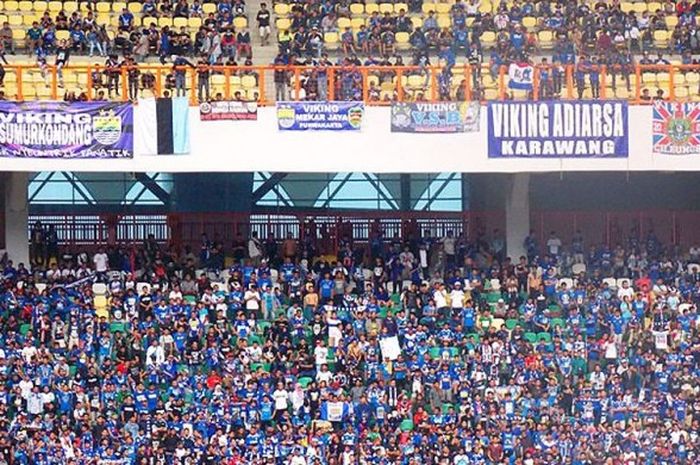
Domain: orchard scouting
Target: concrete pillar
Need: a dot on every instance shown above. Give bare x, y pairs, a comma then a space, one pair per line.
16, 217
517, 214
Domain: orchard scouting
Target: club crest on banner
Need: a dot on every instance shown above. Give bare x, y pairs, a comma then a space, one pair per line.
676, 128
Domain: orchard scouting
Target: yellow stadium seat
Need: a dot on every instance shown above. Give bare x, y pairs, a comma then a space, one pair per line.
692, 78
165, 21
281, 9
283, 24
621, 92
209, 8
249, 82
235, 81
444, 21
627, 7
194, 23
417, 21
402, 39
70, 7
661, 38
545, 39
240, 22
649, 77
529, 22
679, 79
104, 7
148, 20
485, 7
662, 77
180, 22
639, 7
428, 7
443, 8
117, 7
488, 38
671, 21
28, 20
331, 40
135, 7
18, 34
400, 6
41, 6
386, 8
55, 7
371, 8
26, 5
344, 23
62, 35
355, 23
15, 20
651, 7
415, 81
11, 5
491, 94
357, 9
681, 92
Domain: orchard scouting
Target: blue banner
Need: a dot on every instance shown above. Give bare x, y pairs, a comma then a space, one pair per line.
66, 130
585, 129
330, 116
438, 117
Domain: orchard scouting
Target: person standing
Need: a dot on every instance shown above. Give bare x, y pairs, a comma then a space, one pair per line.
263, 19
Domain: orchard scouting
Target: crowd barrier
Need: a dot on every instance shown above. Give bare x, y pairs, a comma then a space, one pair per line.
375, 85
327, 230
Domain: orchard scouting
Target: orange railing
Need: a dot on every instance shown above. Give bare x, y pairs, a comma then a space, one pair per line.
376, 85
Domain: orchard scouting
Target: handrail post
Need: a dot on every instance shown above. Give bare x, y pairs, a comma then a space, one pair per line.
638, 84
159, 83
20, 94
125, 85
54, 82
194, 98
399, 84
365, 85
434, 95
227, 82
261, 85
536, 83
89, 82
467, 82
331, 83
671, 84
297, 83
603, 81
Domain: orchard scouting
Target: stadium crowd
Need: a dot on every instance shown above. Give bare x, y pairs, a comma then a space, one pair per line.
418, 351
599, 43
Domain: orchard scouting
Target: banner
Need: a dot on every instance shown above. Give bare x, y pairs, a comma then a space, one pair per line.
661, 340
676, 128
435, 117
558, 129
230, 110
520, 76
390, 347
66, 130
333, 116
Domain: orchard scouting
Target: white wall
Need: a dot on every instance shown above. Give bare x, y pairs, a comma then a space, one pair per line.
228, 146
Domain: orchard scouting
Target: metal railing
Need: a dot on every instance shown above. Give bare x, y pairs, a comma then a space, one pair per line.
328, 229
375, 85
